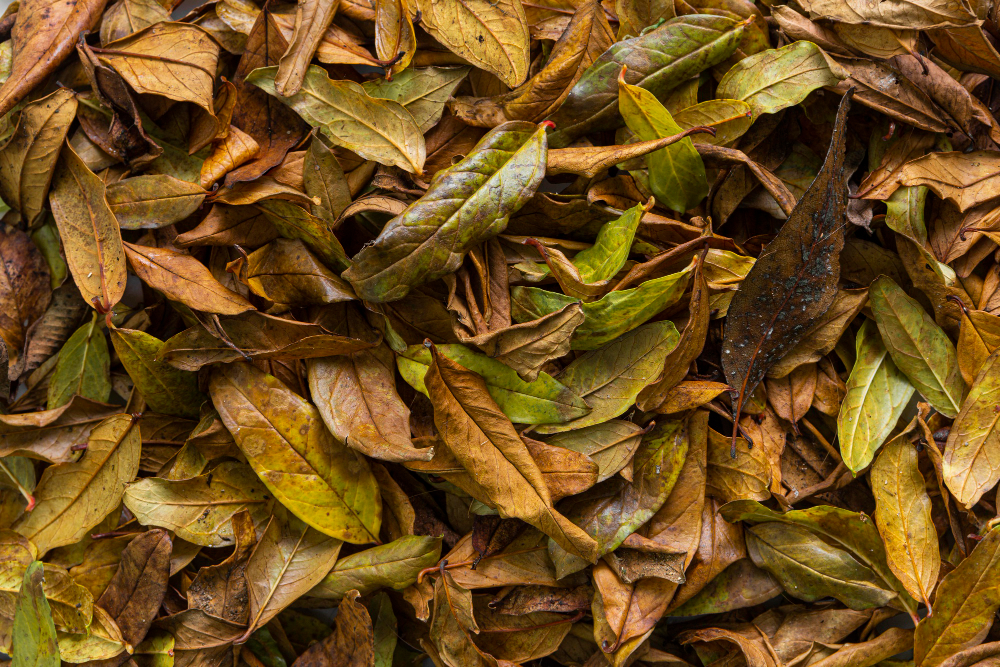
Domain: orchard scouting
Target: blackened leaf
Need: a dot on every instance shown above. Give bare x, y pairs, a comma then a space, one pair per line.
794, 281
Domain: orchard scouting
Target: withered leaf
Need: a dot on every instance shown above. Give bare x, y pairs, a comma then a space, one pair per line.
794, 282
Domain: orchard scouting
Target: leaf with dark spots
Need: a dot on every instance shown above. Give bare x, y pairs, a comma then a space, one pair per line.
794, 281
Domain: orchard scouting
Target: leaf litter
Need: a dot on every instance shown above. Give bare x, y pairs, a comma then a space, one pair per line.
397, 332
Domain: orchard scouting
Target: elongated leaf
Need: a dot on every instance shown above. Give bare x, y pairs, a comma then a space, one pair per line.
320, 480
542, 401
919, 15
485, 443
610, 316
165, 388
89, 231
676, 173
84, 367
182, 278
466, 204
970, 458
288, 561
609, 378
28, 158
380, 130
43, 36
903, 515
394, 565
776, 79
877, 394
658, 61
493, 36
918, 346
966, 601
810, 569
199, 509
156, 200
34, 632
794, 281
75, 497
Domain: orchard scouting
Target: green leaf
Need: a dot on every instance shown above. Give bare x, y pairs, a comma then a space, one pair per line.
393, 565
776, 79
676, 173
852, 532
375, 129
604, 259
423, 92
972, 456
165, 388
84, 367
321, 481
153, 201
658, 61
543, 401
810, 569
466, 204
34, 632
918, 346
610, 316
729, 118
384, 626
877, 394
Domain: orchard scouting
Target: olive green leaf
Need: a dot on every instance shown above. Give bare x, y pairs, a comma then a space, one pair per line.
466, 204
375, 129
609, 378
543, 401
676, 173
657, 61
877, 394
165, 388
918, 346
423, 92
393, 565
153, 201
83, 368
323, 177
776, 79
323, 482
34, 632
610, 316
611, 444
729, 118
810, 569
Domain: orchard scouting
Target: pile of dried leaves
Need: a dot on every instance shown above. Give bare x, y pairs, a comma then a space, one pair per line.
655, 332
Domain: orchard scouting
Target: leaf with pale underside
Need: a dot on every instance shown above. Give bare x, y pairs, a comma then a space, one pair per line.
376, 129
877, 394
